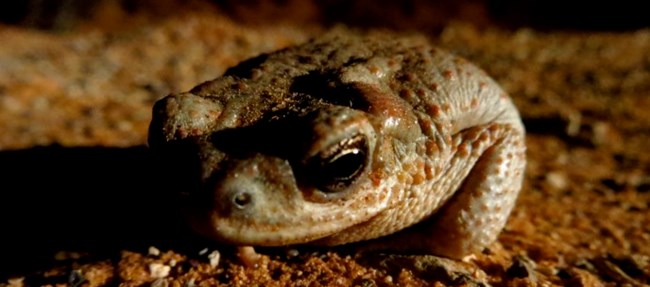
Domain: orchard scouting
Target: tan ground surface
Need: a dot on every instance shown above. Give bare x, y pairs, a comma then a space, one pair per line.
85, 208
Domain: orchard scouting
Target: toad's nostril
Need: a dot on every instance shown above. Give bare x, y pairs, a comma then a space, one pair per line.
241, 199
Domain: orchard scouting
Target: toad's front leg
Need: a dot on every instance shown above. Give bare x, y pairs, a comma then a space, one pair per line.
486, 169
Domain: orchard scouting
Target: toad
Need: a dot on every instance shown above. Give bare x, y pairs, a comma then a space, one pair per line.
348, 138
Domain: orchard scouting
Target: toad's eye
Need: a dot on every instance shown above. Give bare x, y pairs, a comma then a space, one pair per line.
339, 165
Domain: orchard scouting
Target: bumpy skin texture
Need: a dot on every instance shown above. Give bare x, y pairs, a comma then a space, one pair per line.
348, 138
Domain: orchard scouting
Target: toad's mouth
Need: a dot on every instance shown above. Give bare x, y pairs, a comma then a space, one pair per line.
313, 224
280, 222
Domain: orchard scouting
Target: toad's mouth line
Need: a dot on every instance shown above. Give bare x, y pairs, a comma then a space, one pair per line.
234, 231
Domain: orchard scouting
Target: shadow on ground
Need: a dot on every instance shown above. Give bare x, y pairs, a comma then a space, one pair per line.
97, 200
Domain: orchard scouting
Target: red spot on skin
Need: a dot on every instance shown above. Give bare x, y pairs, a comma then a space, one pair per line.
497, 169
393, 63
408, 167
374, 70
462, 150
425, 126
433, 110
214, 114
428, 171
434, 87
473, 134
477, 144
410, 77
432, 147
483, 137
375, 178
408, 95
473, 103
448, 74
418, 179
420, 92
446, 107
402, 177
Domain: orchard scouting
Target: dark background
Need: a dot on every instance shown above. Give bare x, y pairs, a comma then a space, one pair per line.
539, 14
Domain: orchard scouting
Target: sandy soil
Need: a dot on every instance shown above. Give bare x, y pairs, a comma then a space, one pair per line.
84, 205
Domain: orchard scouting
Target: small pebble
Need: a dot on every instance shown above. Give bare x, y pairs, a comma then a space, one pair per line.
214, 257
153, 251
158, 270
16, 282
557, 180
293, 253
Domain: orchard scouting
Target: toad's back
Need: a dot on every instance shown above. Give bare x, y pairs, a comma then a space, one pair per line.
349, 138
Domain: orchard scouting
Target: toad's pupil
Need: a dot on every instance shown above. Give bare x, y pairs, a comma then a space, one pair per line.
346, 165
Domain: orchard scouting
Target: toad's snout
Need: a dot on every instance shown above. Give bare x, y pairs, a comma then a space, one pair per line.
255, 185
